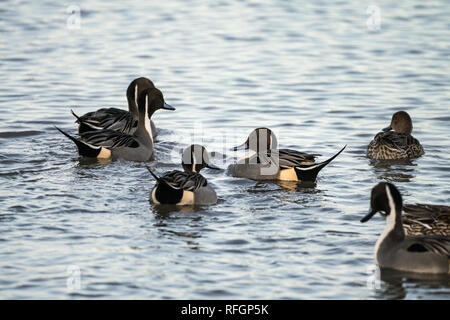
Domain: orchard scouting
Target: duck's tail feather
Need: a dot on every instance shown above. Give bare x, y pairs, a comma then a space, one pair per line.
154, 175
84, 149
79, 120
84, 125
310, 172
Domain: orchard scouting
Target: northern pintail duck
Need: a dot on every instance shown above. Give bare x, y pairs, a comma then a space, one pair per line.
396, 144
269, 163
186, 187
107, 143
395, 250
118, 119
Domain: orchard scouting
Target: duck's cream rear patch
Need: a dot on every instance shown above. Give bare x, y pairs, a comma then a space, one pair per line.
188, 198
104, 153
154, 197
287, 175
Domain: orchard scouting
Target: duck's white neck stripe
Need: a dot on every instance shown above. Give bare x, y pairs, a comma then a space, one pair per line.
391, 202
390, 221
135, 95
193, 163
147, 124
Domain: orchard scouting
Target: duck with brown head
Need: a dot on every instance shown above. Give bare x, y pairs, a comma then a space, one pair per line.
186, 187
107, 143
395, 141
266, 162
117, 119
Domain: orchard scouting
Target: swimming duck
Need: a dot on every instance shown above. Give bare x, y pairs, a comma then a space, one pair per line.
426, 219
269, 163
107, 143
186, 187
395, 250
396, 144
118, 119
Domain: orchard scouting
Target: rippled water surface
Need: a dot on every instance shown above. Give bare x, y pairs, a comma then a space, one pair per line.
320, 75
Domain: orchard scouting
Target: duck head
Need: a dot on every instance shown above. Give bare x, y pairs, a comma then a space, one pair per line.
260, 140
150, 100
195, 158
401, 123
385, 199
135, 89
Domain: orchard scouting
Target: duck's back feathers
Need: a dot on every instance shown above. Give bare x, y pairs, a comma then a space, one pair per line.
426, 219
108, 118
291, 158
182, 188
109, 138
392, 145
189, 181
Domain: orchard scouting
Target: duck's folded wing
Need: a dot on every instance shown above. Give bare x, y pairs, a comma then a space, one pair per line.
189, 181
109, 139
394, 140
110, 118
102, 114
291, 158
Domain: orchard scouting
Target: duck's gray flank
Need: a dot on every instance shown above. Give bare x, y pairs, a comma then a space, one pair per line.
395, 250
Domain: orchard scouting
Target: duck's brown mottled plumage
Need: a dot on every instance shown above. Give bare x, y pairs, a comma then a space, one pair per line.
426, 219
392, 145
396, 144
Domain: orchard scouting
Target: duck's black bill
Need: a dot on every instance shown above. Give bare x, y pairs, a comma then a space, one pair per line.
387, 129
211, 166
168, 107
369, 215
240, 147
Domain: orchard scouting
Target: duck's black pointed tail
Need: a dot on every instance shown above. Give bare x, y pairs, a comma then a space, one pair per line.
84, 149
79, 120
84, 125
164, 192
310, 172
154, 175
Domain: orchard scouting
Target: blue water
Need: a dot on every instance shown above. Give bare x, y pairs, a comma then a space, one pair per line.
321, 75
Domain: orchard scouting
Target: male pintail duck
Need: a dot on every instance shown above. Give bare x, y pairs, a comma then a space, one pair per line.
426, 219
118, 119
269, 163
395, 250
107, 143
186, 187
396, 144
